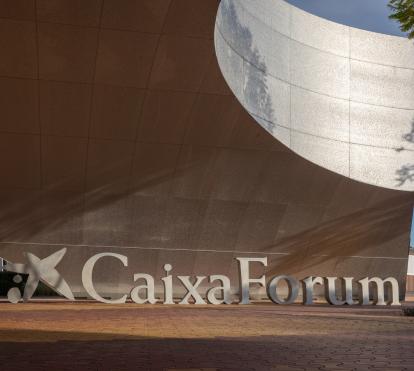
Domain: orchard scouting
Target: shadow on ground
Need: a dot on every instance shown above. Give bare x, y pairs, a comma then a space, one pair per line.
286, 352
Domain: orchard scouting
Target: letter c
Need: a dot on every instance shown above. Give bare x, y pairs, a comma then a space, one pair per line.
87, 277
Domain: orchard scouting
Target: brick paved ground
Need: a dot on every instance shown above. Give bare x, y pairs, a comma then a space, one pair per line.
86, 336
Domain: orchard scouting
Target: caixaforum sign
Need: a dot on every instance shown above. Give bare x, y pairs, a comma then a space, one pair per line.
383, 291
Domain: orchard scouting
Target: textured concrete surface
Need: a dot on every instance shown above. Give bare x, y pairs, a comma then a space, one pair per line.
338, 96
58, 336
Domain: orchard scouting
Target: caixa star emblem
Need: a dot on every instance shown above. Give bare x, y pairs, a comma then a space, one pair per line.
39, 270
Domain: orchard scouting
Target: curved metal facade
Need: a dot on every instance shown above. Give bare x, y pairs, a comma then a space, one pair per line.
340, 97
118, 133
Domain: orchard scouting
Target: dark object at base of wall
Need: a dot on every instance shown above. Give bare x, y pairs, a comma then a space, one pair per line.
409, 311
6, 283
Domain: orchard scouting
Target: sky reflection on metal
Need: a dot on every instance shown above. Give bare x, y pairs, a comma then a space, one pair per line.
412, 233
371, 15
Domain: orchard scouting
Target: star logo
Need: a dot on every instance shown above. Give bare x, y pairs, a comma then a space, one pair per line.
42, 270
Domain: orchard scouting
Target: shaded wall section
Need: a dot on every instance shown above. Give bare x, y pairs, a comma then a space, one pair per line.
118, 133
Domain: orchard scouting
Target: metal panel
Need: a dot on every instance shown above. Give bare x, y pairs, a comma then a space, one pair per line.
382, 85
319, 33
382, 126
330, 154
384, 49
347, 86
319, 71
320, 115
381, 166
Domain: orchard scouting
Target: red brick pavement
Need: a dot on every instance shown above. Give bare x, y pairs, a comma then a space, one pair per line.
86, 336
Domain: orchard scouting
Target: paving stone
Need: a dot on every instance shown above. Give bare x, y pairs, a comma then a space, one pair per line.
93, 336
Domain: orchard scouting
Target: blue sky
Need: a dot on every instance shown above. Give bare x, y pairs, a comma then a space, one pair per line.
370, 15
412, 233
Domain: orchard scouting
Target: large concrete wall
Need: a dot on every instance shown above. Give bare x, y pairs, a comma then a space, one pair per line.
118, 133
340, 97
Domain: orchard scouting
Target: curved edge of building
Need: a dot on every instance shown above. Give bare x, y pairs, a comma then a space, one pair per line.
198, 185
342, 98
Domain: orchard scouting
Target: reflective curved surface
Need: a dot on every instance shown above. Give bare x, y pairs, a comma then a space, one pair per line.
119, 134
340, 97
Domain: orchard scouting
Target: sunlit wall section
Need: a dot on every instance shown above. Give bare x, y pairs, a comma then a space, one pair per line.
340, 97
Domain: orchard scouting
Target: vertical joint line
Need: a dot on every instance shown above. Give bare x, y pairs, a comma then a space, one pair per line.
92, 84
39, 122
349, 105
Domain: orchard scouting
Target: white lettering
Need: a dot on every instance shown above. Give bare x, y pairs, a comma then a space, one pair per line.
87, 272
